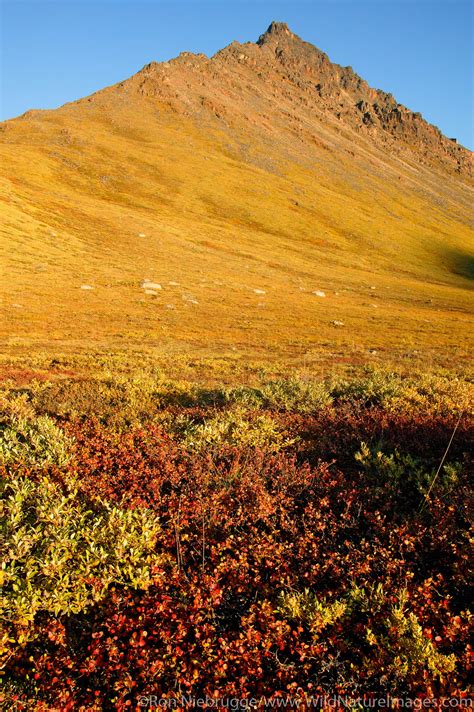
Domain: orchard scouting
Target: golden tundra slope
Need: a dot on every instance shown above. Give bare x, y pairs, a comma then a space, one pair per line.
240, 184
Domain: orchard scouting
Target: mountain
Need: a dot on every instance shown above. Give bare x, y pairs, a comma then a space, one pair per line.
263, 202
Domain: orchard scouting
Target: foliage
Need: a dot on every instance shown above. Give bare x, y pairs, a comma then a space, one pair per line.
64, 551
399, 637
226, 545
412, 652
235, 426
115, 400
375, 388
402, 471
33, 441
288, 394
308, 608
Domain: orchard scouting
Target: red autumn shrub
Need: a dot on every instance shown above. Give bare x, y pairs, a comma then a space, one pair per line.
285, 574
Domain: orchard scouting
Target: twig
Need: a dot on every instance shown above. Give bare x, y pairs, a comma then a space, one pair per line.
440, 464
178, 543
203, 541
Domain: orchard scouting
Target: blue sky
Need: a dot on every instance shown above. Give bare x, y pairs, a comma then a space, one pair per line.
419, 50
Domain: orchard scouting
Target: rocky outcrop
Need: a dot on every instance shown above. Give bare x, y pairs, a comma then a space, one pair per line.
283, 88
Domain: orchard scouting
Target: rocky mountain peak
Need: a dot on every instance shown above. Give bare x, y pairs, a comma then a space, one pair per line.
282, 86
276, 30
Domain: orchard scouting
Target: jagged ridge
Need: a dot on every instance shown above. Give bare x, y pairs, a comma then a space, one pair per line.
280, 69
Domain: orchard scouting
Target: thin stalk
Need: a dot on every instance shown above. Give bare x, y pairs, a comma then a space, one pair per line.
440, 464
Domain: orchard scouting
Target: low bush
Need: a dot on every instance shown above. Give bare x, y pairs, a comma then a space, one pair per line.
238, 546
30, 440
291, 394
235, 427
403, 473
374, 388
116, 401
64, 551
404, 653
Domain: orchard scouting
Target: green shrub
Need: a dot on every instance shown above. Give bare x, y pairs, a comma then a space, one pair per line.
114, 400
30, 440
403, 647
233, 427
404, 651
410, 651
62, 553
295, 394
286, 394
430, 393
308, 608
403, 471
375, 388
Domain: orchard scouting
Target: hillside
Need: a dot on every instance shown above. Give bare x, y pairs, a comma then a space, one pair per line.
236, 428
201, 205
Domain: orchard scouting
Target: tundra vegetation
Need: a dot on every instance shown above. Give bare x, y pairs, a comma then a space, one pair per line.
240, 535
206, 490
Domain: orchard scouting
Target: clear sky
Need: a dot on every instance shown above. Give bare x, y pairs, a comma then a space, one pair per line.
419, 50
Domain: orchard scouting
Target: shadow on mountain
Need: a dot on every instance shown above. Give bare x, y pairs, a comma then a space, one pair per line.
461, 263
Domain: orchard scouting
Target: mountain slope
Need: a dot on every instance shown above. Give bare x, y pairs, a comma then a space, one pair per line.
240, 184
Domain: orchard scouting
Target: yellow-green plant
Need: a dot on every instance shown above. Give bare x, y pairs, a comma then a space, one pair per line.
375, 387
232, 427
407, 648
295, 394
402, 470
62, 553
31, 440
307, 607
114, 399
406, 651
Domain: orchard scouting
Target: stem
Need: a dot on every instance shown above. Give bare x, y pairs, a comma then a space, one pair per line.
441, 463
